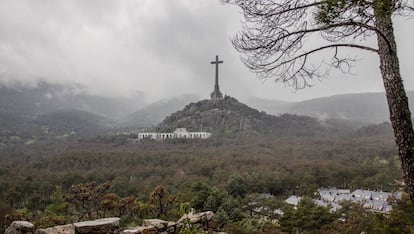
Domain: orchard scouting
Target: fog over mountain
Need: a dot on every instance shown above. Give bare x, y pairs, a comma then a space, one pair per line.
161, 49
45, 97
63, 109
365, 108
154, 113
129, 64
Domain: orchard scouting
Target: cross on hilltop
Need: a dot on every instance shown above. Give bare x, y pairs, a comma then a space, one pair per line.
216, 94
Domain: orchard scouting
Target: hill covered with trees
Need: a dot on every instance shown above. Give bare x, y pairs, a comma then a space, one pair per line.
228, 116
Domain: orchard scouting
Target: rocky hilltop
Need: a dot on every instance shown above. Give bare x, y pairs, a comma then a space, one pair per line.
228, 116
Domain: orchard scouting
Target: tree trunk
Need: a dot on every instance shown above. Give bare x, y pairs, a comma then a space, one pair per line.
400, 115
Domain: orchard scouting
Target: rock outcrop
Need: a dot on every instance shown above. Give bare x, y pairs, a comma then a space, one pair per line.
20, 227
64, 229
108, 225
202, 217
202, 221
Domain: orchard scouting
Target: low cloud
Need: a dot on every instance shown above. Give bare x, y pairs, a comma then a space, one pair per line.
162, 48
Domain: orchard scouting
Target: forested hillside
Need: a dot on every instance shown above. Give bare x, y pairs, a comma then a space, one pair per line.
227, 171
228, 116
65, 165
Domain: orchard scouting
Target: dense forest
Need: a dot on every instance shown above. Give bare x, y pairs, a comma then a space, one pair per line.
71, 179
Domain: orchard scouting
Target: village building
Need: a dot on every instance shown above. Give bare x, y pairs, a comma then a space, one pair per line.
335, 195
333, 206
377, 205
372, 200
293, 200
332, 197
179, 133
375, 201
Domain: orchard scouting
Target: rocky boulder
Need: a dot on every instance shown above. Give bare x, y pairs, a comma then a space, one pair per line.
153, 226
204, 222
141, 230
198, 217
159, 224
64, 229
107, 225
20, 227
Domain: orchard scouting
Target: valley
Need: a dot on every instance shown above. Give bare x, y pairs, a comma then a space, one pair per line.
46, 154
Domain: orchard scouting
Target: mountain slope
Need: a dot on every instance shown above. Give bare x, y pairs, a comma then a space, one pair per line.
156, 112
365, 108
72, 121
26, 111
271, 106
230, 117
22, 100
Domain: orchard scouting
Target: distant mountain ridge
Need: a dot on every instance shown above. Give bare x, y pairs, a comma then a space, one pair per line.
60, 108
46, 97
66, 121
67, 108
64, 109
366, 108
154, 113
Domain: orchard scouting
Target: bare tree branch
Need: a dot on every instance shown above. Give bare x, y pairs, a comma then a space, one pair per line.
275, 31
275, 37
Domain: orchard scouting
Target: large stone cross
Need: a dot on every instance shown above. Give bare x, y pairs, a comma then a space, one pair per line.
216, 93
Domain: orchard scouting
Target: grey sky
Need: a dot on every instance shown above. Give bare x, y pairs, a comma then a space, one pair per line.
162, 48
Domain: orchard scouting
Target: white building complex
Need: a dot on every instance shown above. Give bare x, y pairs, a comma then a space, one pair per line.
178, 133
371, 200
